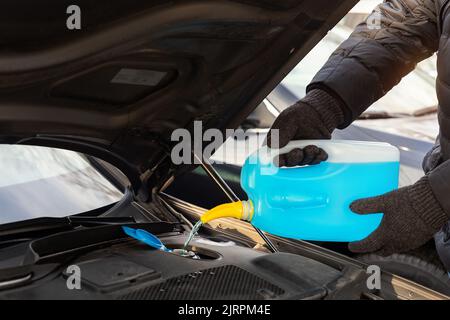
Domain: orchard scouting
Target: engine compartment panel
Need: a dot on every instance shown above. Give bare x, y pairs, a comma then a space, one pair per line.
128, 269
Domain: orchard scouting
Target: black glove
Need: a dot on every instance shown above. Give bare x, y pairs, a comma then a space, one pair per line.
412, 215
313, 117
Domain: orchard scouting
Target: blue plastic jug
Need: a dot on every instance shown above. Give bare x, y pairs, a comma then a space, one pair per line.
312, 202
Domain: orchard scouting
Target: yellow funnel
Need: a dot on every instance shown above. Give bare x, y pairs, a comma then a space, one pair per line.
242, 210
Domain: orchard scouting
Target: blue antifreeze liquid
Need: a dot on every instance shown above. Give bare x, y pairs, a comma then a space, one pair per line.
312, 202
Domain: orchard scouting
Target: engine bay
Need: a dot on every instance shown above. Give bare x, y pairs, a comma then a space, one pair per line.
114, 266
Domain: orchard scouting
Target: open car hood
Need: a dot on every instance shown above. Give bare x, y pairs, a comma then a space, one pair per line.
137, 70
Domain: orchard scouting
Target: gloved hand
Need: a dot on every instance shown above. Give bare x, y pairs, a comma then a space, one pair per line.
412, 215
313, 117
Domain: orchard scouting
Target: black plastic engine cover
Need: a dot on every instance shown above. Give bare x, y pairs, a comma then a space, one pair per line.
132, 270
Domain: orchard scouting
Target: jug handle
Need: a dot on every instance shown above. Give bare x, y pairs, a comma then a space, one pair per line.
270, 154
344, 151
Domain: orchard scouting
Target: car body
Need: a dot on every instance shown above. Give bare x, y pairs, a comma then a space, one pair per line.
116, 90
408, 123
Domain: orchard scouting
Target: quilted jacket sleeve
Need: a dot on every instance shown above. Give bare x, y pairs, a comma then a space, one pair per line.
382, 50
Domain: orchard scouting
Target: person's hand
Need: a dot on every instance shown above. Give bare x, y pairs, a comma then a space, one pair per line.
412, 215
313, 117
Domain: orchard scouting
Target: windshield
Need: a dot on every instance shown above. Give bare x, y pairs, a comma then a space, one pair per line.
38, 181
415, 92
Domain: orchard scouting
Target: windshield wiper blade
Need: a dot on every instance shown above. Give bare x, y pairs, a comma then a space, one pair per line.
370, 115
425, 111
42, 226
88, 221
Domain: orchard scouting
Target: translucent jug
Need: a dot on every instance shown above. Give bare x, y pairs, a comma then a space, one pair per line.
312, 202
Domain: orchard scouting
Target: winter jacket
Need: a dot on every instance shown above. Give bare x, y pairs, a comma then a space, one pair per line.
382, 50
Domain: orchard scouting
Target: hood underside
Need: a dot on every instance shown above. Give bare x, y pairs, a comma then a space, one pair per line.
137, 70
